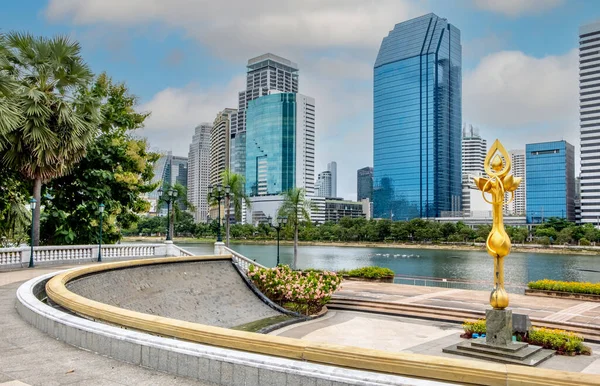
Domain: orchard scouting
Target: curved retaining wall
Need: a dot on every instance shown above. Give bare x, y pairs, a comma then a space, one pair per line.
243, 357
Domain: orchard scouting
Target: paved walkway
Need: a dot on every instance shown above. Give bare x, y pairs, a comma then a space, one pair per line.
30, 357
410, 335
551, 309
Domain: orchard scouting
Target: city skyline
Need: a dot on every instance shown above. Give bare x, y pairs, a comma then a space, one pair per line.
185, 69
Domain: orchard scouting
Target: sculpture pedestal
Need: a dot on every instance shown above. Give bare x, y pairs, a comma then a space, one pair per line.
498, 346
498, 327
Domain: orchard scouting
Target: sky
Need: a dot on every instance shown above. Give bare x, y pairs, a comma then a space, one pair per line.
185, 60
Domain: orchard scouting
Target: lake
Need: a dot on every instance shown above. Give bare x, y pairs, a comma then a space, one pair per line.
473, 266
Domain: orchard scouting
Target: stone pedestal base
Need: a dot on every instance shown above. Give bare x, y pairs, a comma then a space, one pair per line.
498, 326
498, 346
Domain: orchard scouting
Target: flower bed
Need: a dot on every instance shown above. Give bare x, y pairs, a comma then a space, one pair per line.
302, 292
564, 342
565, 286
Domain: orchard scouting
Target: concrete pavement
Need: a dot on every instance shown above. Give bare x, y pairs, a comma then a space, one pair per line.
30, 357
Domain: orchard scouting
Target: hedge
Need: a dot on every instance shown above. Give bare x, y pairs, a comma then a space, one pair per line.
566, 286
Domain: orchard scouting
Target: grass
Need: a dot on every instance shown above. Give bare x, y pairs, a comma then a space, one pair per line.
258, 325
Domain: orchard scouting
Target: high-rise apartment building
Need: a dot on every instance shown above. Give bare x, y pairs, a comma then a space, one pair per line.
589, 113
280, 144
550, 181
417, 120
198, 171
323, 186
519, 169
364, 184
219, 145
264, 73
332, 168
474, 150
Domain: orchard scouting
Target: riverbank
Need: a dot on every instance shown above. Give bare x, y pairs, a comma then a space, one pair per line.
531, 248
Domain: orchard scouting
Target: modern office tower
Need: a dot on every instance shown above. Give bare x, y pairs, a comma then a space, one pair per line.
578, 200
264, 73
324, 184
474, 150
198, 171
417, 120
332, 168
589, 113
518, 205
169, 170
364, 184
219, 145
550, 181
280, 144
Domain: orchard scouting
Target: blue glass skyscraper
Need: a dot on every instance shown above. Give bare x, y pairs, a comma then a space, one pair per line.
550, 176
417, 120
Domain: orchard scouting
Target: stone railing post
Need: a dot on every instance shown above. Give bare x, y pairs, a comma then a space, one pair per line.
220, 248
169, 250
25, 254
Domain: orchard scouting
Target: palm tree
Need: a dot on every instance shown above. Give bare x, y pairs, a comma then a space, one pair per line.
296, 208
237, 189
177, 205
59, 113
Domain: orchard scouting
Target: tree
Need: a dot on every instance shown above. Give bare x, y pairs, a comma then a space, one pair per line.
295, 207
59, 116
116, 171
237, 189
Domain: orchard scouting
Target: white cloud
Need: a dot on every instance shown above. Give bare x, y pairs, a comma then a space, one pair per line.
238, 28
514, 8
177, 111
521, 99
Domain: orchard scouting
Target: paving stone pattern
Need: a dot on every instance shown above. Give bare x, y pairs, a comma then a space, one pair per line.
203, 292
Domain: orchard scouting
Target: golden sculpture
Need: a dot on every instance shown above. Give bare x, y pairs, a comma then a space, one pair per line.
497, 166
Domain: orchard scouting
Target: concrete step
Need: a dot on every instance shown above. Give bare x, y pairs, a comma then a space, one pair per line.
531, 359
521, 353
591, 334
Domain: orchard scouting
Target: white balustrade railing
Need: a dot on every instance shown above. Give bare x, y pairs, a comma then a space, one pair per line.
242, 261
11, 256
20, 256
181, 251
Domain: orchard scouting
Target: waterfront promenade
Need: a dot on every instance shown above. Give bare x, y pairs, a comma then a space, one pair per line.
31, 357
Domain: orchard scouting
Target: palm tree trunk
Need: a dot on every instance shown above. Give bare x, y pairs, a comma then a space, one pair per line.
295, 265
37, 195
228, 206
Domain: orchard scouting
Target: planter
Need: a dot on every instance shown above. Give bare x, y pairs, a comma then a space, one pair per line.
385, 279
564, 295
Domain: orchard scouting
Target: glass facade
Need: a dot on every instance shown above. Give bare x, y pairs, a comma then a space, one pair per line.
270, 144
550, 176
364, 184
417, 120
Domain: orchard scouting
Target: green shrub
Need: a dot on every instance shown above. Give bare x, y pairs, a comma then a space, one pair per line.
584, 242
369, 272
564, 342
566, 286
303, 292
480, 240
476, 327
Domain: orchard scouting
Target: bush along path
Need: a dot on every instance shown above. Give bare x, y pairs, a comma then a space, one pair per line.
302, 292
566, 286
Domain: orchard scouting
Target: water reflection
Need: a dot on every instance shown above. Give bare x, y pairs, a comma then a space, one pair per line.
520, 268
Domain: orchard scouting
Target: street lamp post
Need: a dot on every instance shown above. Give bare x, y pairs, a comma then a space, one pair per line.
281, 221
101, 210
32, 206
218, 193
169, 196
